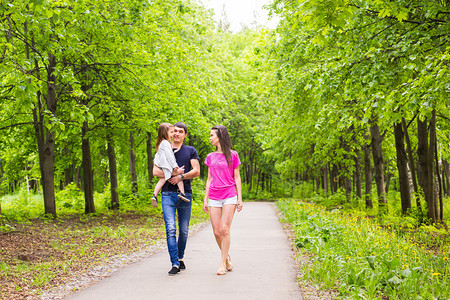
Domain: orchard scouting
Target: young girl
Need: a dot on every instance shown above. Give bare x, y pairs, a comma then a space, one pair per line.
223, 191
165, 160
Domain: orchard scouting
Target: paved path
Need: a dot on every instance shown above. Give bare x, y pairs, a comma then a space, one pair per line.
261, 255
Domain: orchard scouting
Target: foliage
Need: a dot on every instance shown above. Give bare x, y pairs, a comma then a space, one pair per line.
339, 67
364, 259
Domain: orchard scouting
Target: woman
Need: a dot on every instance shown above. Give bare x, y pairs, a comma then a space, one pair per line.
223, 191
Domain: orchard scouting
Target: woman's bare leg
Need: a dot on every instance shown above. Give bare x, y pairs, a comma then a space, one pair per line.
221, 219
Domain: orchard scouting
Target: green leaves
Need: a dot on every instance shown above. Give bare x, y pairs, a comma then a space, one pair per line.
345, 62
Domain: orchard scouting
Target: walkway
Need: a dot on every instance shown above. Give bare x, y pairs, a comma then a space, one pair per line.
261, 255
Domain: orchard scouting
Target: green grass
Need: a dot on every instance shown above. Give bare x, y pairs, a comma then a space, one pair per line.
363, 259
59, 248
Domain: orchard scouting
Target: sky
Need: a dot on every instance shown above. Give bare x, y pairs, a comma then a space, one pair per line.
242, 12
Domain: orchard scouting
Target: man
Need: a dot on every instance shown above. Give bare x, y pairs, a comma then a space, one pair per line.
185, 156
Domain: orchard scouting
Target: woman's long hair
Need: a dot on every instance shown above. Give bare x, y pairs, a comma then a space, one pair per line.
225, 141
163, 133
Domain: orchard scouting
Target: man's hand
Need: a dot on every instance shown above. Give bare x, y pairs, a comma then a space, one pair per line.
174, 180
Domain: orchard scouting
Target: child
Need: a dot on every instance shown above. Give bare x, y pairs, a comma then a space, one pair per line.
165, 160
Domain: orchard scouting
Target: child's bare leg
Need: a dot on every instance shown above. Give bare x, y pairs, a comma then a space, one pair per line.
158, 187
181, 186
181, 194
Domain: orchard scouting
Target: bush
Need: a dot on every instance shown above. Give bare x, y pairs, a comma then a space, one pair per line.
70, 198
304, 190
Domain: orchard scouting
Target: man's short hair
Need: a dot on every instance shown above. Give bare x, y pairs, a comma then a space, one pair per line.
181, 125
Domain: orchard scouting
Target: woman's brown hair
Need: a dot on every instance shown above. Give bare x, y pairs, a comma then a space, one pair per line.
225, 141
163, 133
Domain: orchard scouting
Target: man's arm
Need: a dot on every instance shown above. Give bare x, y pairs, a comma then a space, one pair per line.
194, 172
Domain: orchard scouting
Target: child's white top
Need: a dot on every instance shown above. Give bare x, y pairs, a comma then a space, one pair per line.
165, 159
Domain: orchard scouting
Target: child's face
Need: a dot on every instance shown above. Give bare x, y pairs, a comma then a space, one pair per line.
171, 133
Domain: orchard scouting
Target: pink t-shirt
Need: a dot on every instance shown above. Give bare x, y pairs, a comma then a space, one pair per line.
222, 185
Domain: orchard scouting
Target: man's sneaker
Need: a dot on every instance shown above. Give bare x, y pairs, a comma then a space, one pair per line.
154, 201
182, 265
174, 271
183, 197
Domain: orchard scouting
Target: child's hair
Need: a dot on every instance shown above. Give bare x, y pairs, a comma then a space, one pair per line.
225, 141
163, 133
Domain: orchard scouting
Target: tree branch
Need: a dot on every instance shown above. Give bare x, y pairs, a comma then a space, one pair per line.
18, 124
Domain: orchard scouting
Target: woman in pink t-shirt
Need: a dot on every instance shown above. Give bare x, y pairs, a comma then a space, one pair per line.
223, 191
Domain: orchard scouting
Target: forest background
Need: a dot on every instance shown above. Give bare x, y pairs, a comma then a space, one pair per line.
345, 103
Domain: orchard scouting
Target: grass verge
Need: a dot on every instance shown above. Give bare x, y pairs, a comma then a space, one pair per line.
360, 259
39, 254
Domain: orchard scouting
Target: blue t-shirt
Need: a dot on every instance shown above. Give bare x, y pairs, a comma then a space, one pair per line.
183, 158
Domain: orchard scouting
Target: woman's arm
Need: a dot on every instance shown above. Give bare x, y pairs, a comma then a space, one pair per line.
237, 179
205, 200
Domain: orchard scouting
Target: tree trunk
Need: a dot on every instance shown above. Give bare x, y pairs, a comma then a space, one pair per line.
77, 177
150, 160
439, 180
367, 175
250, 173
88, 176
325, 180
318, 183
67, 178
446, 167
133, 174
412, 165
387, 182
45, 137
45, 143
190, 139
335, 178
348, 187
48, 145
68, 171
379, 166
426, 168
1, 173
113, 174
258, 180
263, 181
358, 176
431, 176
402, 166
444, 183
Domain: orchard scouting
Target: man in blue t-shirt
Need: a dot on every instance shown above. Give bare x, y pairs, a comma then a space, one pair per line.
187, 157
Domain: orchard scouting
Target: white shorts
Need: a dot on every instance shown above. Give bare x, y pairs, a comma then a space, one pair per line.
221, 203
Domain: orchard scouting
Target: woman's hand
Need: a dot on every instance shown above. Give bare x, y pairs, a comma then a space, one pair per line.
240, 204
205, 207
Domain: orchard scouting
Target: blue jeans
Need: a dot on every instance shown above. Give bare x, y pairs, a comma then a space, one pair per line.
171, 204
